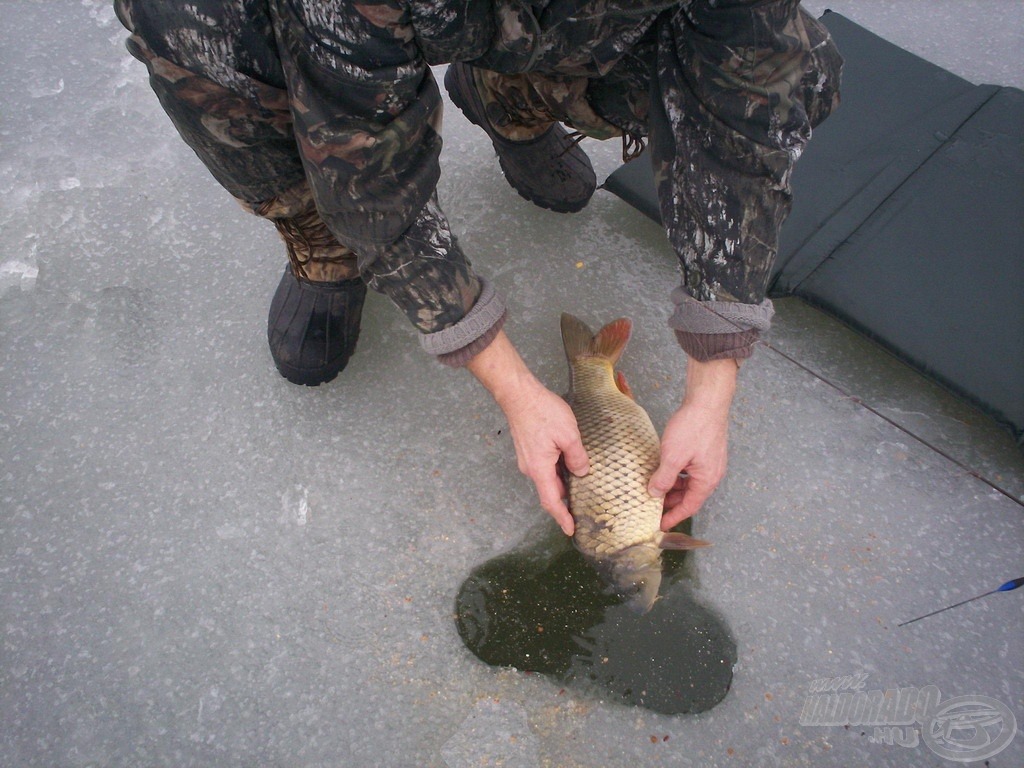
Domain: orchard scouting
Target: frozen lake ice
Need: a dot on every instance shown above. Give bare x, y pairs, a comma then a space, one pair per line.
205, 565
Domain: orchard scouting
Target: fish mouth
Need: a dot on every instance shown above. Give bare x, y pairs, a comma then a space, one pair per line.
637, 586
644, 594
633, 574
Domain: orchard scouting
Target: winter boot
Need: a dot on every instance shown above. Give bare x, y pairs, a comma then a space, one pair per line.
541, 160
314, 317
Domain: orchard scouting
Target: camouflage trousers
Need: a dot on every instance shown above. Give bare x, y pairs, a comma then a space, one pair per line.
299, 107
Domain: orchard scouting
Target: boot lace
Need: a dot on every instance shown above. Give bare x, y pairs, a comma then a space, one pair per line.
304, 235
632, 146
575, 137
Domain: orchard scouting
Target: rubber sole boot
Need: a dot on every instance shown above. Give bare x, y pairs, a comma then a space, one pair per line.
550, 171
313, 328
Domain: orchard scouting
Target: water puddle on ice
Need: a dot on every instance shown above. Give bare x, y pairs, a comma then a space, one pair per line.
543, 608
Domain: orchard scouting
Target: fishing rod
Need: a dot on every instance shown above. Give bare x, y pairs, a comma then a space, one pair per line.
1012, 584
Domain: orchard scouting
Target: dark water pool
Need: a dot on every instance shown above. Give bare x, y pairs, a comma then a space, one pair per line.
543, 608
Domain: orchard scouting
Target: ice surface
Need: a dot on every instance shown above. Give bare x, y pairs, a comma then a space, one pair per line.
494, 733
982, 41
204, 565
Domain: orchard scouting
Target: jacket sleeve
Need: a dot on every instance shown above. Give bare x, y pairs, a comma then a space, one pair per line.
734, 81
367, 113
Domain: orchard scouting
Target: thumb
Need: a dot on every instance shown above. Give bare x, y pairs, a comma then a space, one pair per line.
575, 456
662, 481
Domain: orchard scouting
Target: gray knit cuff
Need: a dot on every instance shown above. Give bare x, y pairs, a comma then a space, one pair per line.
705, 317
487, 312
461, 357
705, 347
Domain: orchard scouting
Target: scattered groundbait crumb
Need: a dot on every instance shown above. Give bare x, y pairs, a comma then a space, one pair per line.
496, 732
69, 183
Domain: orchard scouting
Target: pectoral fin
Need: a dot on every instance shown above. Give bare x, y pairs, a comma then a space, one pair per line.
676, 540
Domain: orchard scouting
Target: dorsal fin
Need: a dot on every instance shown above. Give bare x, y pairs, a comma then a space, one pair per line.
624, 388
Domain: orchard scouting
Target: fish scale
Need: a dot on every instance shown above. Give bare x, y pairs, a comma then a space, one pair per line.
618, 523
611, 503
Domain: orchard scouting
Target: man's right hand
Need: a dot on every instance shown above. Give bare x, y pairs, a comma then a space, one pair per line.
542, 424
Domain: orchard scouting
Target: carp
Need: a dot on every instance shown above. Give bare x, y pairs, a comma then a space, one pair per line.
618, 523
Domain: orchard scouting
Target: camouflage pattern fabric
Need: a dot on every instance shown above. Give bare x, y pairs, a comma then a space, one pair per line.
736, 84
344, 113
338, 98
523, 106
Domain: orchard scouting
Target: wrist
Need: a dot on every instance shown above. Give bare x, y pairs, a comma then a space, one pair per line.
711, 384
503, 372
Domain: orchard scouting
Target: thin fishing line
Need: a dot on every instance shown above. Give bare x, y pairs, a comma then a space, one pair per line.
859, 401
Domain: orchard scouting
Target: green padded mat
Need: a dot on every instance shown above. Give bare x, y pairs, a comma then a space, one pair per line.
908, 220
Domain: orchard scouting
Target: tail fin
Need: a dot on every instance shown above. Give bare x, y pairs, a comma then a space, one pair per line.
608, 343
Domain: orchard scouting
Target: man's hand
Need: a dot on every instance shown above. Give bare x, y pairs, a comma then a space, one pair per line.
543, 426
695, 441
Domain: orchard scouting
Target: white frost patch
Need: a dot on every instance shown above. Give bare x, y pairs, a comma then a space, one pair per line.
132, 72
69, 183
229, 531
100, 11
296, 505
42, 91
17, 273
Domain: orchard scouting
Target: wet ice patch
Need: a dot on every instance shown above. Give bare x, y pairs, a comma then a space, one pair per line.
121, 325
542, 608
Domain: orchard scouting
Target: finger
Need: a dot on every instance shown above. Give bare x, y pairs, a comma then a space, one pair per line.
693, 498
674, 517
549, 490
674, 497
565, 521
575, 457
677, 489
664, 479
